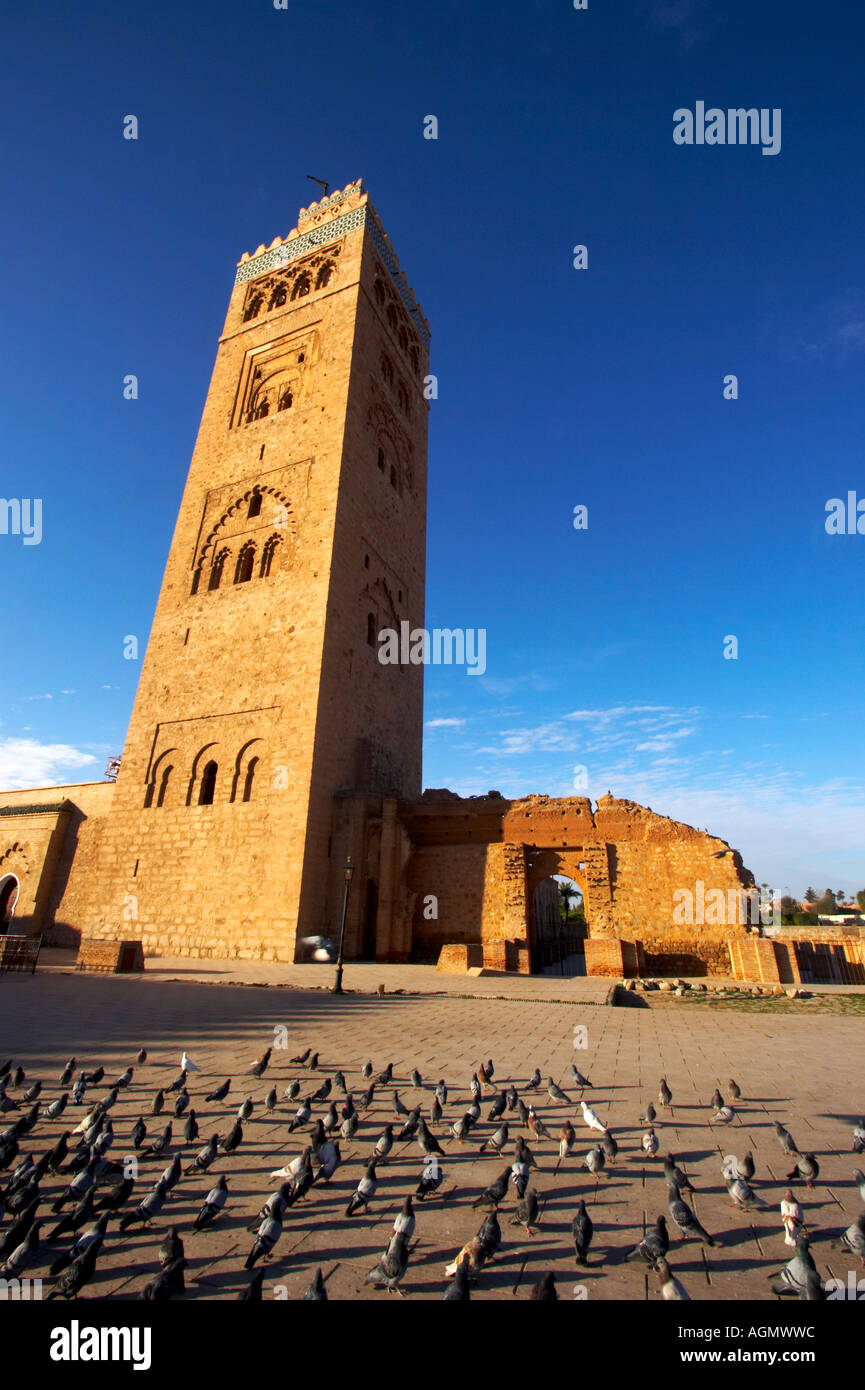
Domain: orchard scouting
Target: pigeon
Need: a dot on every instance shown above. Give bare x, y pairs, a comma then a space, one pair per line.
431, 1178
301, 1058
649, 1117
791, 1218
723, 1116
365, 1191
73, 1220
384, 1143
77, 1187
58, 1154
717, 1099
316, 1293
178, 1084
145, 1211
807, 1169
245, 1110
19, 1077
123, 1081
609, 1145
221, 1091
859, 1137
595, 1160
158, 1103
293, 1168
270, 1100
268, 1234
340, 1082
80, 1244
292, 1090
365, 1071
417, 1080
475, 1087
582, 1230
301, 1117
496, 1141
442, 1093
392, 1265
323, 1091
665, 1095
329, 1158
171, 1175
409, 1129
654, 1245
212, 1205
181, 1103
56, 1108
366, 1102
313, 1062
139, 1133
498, 1107
427, 1140
591, 1119
190, 1129
399, 1108
556, 1093
158, 1147
793, 1278
670, 1286
349, 1126
260, 1066
385, 1076
18, 1230
252, 1292
458, 1291
674, 1174
854, 1237
232, 1140
544, 1291
567, 1139
66, 1074
166, 1284
187, 1064
785, 1139
684, 1218
78, 1091
472, 1258
579, 1079
650, 1143
733, 1091
33, 1093
527, 1211
116, 1196
534, 1080
142, 1056
743, 1195
536, 1125
494, 1195
79, 1273
860, 1178
520, 1174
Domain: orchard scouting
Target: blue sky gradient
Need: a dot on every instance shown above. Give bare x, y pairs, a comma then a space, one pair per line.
556, 386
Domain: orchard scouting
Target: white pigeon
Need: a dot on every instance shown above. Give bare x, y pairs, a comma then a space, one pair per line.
187, 1064
859, 1137
723, 1116
290, 1170
650, 1143
730, 1167
591, 1119
670, 1286
791, 1216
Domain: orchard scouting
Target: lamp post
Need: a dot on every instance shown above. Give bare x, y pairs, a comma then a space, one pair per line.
349, 870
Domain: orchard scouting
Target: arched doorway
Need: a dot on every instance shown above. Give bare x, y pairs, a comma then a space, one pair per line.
558, 926
9, 889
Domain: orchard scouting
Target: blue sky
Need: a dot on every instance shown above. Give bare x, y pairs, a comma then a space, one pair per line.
557, 387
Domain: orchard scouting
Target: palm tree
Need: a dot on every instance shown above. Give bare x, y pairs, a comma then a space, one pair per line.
566, 894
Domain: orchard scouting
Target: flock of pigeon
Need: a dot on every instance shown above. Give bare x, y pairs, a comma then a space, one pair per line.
58, 1208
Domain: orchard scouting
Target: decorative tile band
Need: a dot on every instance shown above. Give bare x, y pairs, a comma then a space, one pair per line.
280, 256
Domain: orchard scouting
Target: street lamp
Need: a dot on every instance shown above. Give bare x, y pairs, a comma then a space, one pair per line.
349, 870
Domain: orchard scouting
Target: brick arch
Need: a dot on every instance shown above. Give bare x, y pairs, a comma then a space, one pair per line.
250, 751
209, 752
16, 859
277, 496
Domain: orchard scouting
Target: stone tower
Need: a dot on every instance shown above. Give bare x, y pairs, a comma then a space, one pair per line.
301, 534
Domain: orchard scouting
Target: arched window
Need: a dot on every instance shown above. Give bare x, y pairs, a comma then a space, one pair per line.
267, 555
279, 296
208, 785
245, 564
302, 286
370, 629
381, 460
253, 307
286, 399
163, 785
254, 504
248, 780
323, 277
216, 570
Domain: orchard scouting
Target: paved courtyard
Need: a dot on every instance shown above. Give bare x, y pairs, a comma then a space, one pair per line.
802, 1071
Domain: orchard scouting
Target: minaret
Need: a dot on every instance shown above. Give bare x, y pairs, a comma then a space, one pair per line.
301, 534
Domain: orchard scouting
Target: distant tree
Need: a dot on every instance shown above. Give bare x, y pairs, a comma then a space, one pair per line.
810, 895
860, 898
826, 905
566, 893
788, 906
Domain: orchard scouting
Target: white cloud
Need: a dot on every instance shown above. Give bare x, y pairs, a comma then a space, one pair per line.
445, 723
26, 763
